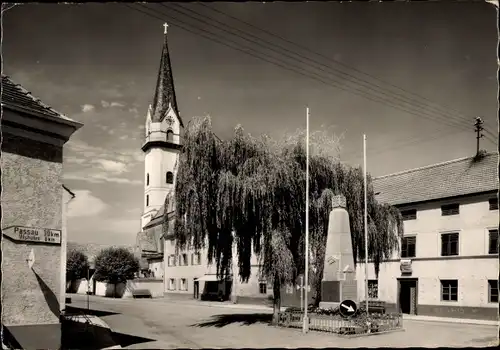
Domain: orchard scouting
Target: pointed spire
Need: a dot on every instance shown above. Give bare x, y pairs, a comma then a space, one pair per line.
165, 92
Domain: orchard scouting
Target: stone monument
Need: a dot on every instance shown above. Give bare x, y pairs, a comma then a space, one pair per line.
339, 274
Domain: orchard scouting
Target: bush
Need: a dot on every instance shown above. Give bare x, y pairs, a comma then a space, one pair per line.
115, 265
77, 265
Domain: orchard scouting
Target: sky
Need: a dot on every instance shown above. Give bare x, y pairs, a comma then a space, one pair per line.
430, 67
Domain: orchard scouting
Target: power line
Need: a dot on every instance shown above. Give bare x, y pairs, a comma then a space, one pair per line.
315, 77
395, 146
465, 118
272, 48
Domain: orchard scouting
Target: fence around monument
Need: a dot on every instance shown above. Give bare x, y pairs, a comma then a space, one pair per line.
337, 324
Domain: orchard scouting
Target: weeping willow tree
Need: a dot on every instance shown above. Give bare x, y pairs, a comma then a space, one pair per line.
249, 193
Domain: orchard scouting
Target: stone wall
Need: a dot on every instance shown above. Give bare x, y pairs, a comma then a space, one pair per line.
31, 196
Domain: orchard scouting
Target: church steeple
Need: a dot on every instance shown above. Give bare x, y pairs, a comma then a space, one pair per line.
165, 91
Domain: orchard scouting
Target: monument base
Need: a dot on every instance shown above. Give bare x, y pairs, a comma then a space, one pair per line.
334, 292
328, 305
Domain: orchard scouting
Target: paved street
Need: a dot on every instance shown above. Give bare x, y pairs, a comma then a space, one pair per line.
164, 324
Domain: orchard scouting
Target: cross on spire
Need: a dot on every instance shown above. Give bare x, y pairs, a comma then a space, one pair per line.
165, 25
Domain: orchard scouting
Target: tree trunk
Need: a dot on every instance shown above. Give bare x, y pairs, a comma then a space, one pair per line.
276, 300
114, 291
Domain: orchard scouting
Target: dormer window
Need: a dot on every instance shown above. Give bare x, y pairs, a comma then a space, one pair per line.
450, 209
170, 136
170, 177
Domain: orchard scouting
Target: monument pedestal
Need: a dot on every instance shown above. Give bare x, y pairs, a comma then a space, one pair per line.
339, 276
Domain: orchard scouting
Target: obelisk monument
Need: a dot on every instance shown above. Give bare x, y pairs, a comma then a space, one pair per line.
339, 279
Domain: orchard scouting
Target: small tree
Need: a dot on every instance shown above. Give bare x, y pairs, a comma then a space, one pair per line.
115, 265
77, 265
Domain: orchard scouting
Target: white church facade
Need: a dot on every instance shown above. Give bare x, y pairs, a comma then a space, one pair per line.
185, 274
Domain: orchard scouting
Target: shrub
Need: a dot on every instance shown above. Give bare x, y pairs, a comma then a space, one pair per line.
77, 265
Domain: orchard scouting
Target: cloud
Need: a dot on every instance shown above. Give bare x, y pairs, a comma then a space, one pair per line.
85, 204
123, 137
75, 160
87, 108
106, 104
112, 166
133, 110
99, 178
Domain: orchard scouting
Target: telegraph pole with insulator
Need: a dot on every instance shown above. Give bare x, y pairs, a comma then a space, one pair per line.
478, 128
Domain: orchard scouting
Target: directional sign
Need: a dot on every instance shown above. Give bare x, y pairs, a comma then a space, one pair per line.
33, 234
347, 308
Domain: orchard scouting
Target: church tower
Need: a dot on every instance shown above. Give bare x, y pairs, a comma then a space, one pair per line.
164, 130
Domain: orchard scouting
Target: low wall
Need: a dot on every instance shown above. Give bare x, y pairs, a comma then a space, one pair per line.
122, 290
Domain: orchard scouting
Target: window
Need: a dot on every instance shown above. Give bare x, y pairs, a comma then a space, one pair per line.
450, 209
147, 179
183, 260
196, 259
493, 203
493, 242
170, 177
493, 291
410, 214
449, 244
171, 260
183, 284
262, 288
147, 200
170, 135
171, 284
408, 247
373, 289
449, 290
289, 289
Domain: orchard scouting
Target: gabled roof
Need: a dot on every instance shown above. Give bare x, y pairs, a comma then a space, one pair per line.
165, 91
14, 96
464, 176
159, 217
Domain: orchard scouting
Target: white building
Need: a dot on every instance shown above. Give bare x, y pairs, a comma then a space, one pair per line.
185, 274
448, 265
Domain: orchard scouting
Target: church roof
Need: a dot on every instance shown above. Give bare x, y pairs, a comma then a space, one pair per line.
15, 97
458, 177
165, 91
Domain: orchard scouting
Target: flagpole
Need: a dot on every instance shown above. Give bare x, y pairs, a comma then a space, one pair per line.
305, 325
366, 223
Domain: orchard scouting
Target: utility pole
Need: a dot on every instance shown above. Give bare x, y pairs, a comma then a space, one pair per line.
478, 128
305, 324
366, 223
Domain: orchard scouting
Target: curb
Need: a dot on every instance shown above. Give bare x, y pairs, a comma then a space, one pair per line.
451, 320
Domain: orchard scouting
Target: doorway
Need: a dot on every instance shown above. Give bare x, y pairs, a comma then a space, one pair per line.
408, 295
196, 289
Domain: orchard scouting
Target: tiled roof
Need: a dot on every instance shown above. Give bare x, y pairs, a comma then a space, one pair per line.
457, 177
17, 97
92, 249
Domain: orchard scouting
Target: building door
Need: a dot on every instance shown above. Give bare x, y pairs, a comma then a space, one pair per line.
196, 289
408, 296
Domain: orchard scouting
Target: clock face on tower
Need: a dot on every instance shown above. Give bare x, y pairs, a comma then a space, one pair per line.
170, 120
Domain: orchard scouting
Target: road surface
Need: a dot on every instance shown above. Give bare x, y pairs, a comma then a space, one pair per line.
164, 324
